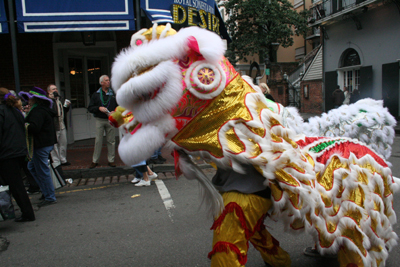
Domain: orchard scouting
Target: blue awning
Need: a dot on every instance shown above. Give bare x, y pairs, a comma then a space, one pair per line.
3, 18
74, 15
158, 11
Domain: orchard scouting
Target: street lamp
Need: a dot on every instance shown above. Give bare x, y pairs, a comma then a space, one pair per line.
275, 46
267, 61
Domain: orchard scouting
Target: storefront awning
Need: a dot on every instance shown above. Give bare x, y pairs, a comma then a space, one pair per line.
203, 13
3, 18
74, 15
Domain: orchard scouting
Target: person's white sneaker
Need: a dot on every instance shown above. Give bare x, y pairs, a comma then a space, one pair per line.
136, 180
153, 176
143, 183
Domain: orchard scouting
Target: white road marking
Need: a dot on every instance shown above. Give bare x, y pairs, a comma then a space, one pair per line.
166, 197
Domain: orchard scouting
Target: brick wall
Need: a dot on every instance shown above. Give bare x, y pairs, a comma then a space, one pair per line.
278, 86
123, 39
315, 97
35, 59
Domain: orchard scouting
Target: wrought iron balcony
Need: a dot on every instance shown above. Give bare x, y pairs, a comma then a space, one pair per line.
329, 11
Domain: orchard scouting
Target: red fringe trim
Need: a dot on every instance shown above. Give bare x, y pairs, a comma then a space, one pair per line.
234, 207
273, 250
222, 246
231, 207
226, 247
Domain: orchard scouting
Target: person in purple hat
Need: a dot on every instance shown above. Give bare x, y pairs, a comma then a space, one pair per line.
13, 152
41, 129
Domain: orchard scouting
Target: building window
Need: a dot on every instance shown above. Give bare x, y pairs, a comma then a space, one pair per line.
306, 92
350, 58
349, 72
297, 3
300, 53
351, 79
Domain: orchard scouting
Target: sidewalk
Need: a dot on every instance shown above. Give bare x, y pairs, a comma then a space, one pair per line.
80, 153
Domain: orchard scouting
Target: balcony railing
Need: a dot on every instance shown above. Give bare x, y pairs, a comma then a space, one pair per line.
329, 9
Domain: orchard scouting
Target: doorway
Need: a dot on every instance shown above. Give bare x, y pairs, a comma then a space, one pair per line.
77, 70
84, 73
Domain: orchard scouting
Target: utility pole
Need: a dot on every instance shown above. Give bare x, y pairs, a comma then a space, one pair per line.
14, 45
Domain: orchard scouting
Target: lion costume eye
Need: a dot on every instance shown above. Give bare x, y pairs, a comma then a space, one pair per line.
139, 42
204, 80
138, 39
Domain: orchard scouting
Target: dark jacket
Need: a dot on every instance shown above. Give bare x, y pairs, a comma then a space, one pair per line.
12, 133
268, 96
55, 108
338, 97
95, 103
41, 126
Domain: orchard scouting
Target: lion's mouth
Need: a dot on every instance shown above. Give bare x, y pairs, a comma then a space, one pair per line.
146, 69
133, 127
141, 71
151, 95
146, 96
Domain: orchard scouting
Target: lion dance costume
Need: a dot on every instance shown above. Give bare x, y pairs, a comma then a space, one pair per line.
178, 90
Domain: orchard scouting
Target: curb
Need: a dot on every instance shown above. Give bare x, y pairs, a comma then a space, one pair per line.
95, 183
118, 171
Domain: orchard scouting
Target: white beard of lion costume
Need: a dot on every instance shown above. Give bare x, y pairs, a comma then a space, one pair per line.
185, 95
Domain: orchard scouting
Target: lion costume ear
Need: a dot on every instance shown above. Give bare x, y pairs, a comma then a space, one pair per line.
192, 43
206, 43
138, 39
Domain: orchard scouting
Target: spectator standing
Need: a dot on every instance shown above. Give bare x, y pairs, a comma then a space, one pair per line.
347, 96
40, 126
101, 103
338, 97
33, 186
59, 153
267, 93
144, 175
157, 158
13, 151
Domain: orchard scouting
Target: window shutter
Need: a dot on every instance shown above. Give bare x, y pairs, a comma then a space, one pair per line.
330, 86
390, 87
365, 87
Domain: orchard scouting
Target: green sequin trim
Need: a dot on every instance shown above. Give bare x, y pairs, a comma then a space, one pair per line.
322, 146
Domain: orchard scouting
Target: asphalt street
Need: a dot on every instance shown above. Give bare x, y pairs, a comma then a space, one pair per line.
123, 225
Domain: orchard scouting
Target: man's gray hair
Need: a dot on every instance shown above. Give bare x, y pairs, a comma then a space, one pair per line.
102, 78
48, 86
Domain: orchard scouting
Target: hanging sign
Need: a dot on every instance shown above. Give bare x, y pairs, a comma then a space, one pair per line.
195, 13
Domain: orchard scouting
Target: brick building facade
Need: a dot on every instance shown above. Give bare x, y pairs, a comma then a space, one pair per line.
311, 101
276, 82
